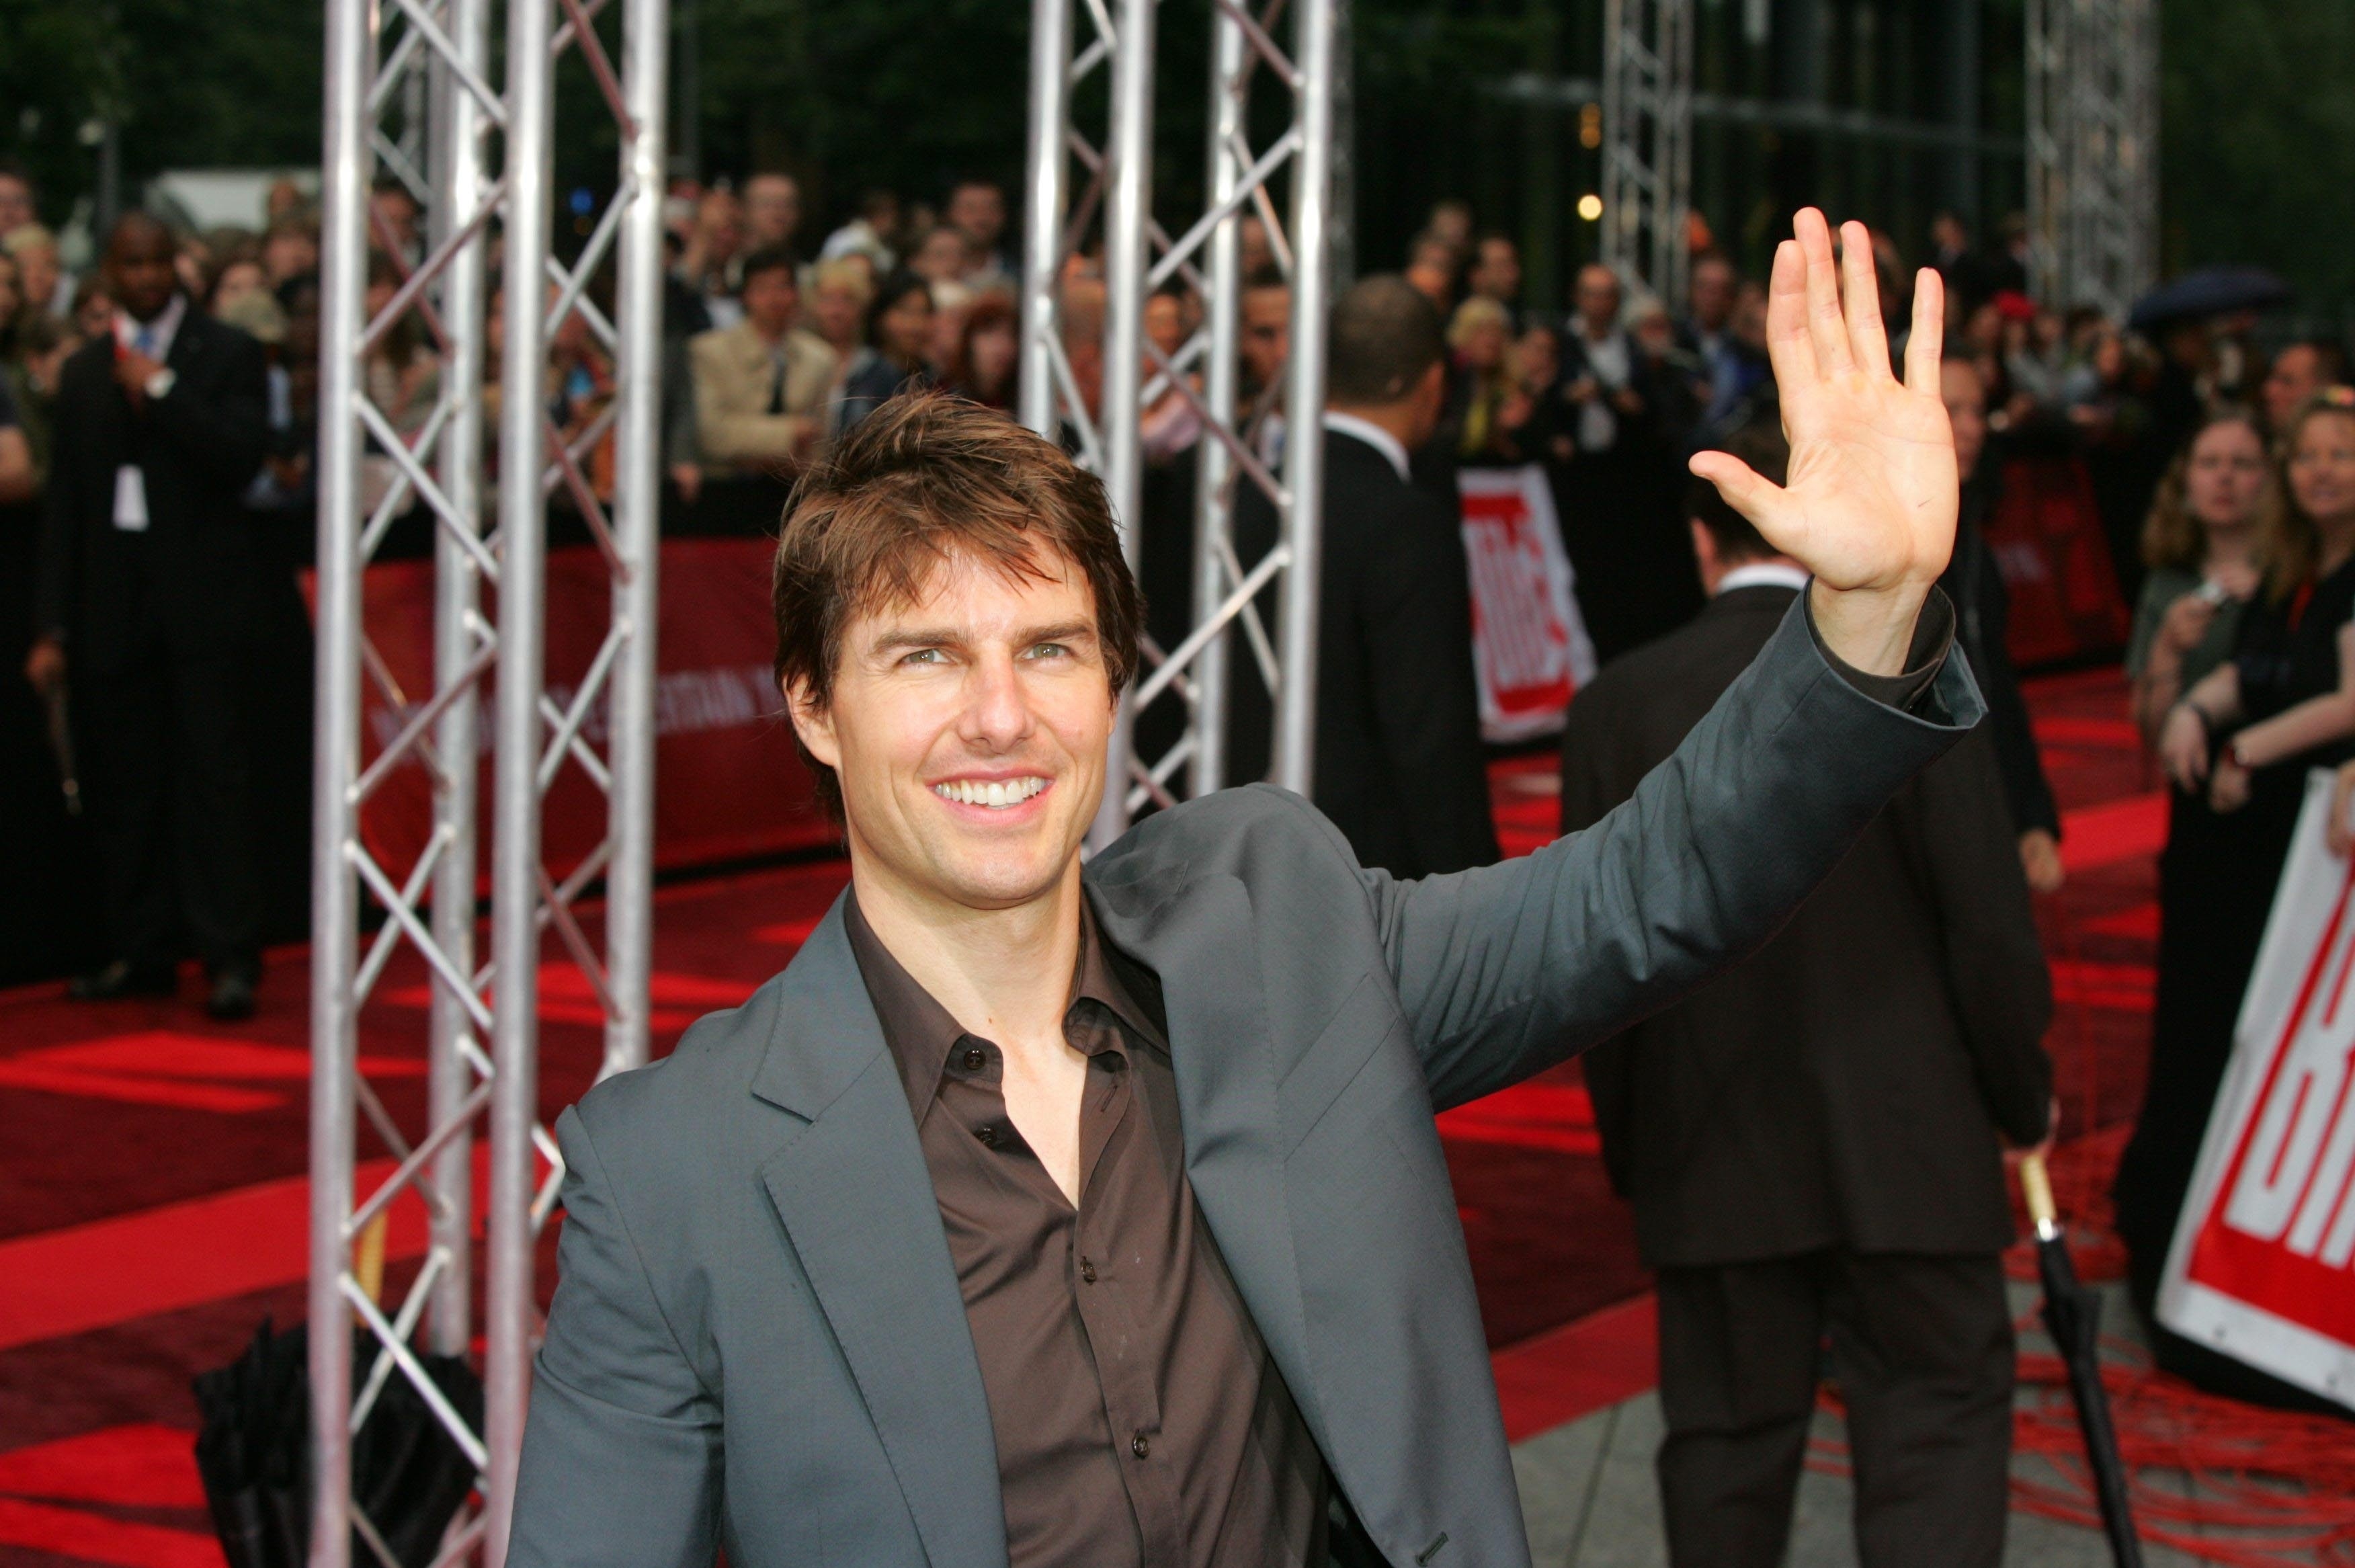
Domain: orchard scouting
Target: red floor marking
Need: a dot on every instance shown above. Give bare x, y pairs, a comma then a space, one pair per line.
2116, 830
2061, 729
91, 1276
1531, 1115
142, 1069
1563, 1374
133, 1091
92, 1538
2130, 987
566, 996
2139, 923
129, 1467
790, 933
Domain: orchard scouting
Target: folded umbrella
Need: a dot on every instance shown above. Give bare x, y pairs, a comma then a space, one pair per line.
2208, 291
2072, 1316
254, 1453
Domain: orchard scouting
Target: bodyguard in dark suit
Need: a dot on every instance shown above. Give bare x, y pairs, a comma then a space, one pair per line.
150, 591
1399, 766
1040, 1216
1811, 1141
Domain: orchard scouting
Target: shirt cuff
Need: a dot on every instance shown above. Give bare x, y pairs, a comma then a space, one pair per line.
1934, 638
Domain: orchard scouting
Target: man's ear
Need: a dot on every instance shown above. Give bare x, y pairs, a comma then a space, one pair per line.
813, 723
1705, 558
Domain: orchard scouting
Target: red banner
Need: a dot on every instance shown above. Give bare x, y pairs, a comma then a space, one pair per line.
2048, 541
2263, 1263
726, 782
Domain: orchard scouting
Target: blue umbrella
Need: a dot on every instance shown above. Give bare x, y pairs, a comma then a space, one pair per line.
2209, 291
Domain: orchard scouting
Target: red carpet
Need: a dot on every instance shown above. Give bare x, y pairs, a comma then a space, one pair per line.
153, 1189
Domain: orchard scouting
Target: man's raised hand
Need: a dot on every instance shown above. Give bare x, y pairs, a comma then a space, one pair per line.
1871, 495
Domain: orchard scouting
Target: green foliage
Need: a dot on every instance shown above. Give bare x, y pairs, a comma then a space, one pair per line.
191, 83
2258, 140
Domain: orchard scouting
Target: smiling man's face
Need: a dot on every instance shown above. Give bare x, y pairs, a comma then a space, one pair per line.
968, 731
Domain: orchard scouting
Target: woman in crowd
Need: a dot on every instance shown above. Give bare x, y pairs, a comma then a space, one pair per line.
898, 334
982, 367
1485, 407
2237, 747
2217, 516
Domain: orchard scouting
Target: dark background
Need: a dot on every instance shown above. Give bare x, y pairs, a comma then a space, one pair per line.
2258, 160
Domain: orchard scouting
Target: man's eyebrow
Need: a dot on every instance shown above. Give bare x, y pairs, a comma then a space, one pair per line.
900, 637
1060, 631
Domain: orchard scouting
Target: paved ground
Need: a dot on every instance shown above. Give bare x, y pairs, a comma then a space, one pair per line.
1591, 1503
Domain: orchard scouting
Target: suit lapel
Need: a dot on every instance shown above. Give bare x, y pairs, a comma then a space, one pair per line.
856, 1200
1198, 939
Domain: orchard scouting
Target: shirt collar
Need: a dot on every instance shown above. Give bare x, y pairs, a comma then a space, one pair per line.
162, 330
1373, 436
921, 1032
1762, 574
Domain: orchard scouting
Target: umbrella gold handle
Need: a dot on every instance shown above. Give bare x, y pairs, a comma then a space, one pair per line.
2036, 1187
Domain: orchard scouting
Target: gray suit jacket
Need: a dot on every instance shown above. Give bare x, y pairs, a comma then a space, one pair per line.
759, 1342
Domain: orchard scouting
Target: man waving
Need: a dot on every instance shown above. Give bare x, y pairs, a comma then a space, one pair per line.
1049, 1214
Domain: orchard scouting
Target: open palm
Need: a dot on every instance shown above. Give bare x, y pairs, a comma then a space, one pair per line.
1872, 491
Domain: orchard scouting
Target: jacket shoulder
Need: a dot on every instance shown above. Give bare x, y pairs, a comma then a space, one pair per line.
682, 1102
1238, 831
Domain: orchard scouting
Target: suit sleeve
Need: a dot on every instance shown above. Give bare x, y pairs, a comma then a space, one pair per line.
622, 1450
1418, 619
1508, 969
1588, 791
224, 428
1958, 831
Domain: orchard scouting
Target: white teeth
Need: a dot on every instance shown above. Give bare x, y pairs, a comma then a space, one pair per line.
995, 795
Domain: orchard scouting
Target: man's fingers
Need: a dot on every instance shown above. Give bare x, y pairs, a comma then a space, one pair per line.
1867, 338
1827, 328
1787, 345
1748, 492
1928, 341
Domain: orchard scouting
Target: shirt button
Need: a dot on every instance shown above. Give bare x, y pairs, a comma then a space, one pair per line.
989, 1137
1087, 1270
975, 1059
1139, 1446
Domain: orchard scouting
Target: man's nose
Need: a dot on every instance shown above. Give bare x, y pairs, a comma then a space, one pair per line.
997, 709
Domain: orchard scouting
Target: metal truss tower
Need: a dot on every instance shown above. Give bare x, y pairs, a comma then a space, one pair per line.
410, 94
1647, 74
1115, 183
2093, 151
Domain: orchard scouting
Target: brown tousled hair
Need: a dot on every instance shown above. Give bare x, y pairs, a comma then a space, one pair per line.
925, 476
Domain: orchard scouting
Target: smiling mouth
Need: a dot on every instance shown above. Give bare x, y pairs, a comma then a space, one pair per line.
995, 795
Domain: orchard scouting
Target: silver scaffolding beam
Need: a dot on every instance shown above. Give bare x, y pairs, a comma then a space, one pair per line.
2093, 151
1648, 103
482, 1036
1140, 256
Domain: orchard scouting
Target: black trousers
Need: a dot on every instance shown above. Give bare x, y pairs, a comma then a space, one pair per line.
1921, 1350
168, 781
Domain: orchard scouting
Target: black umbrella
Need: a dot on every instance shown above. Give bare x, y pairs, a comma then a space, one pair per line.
254, 1451
2208, 291
2072, 1316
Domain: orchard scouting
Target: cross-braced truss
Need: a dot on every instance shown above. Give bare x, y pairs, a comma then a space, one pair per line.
1647, 68
410, 96
2093, 151
1238, 438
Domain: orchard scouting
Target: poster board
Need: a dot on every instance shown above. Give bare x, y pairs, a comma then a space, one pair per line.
1530, 650
2260, 1266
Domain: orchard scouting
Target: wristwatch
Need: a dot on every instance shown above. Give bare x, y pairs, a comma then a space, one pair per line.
159, 385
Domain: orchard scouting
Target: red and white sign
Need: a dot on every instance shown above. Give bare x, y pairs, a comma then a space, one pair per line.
2259, 1268
728, 783
1530, 647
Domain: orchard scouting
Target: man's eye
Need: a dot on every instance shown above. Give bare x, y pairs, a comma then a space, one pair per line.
924, 656
1049, 651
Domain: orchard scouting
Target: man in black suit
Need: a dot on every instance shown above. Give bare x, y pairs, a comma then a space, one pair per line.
1400, 764
1811, 1141
150, 574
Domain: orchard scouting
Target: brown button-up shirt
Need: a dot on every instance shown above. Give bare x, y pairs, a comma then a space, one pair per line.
1137, 1416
